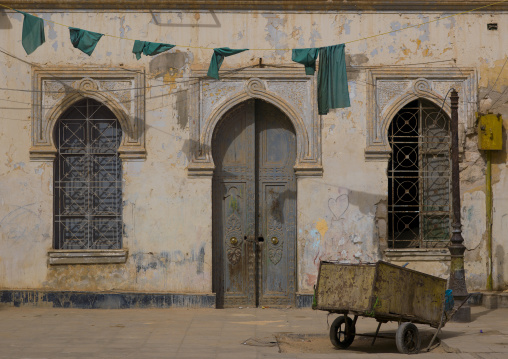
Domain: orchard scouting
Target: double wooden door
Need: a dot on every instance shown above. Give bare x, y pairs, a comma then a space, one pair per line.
254, 207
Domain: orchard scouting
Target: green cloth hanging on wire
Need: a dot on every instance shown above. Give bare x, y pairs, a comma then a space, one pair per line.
332, 77
84, 40
218, 58
33, 32
306, 57
149, 48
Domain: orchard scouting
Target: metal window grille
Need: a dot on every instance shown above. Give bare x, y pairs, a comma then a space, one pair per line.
419, 177
88, 178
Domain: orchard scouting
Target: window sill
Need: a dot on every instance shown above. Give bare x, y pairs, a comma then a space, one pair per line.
90, 256
417, 255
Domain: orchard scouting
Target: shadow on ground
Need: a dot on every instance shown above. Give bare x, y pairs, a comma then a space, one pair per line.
320, 344
476, 316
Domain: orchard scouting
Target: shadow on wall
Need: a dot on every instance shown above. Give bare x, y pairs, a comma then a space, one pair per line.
277, 204
351, 62
192, 146
172, 63
366, 202
499, 157
499, 263
166, 62
340, 202
5, 23
181, 108
156, 17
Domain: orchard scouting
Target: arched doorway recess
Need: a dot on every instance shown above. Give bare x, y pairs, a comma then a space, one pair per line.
254, 207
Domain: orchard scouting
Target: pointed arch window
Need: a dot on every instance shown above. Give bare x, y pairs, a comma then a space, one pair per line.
88, 179
419, 177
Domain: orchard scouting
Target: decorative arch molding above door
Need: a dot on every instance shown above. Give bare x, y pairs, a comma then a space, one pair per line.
393, 88
290, 90
56, 89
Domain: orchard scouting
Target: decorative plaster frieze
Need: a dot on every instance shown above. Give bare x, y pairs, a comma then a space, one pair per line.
290, 90
56, 89
393, 88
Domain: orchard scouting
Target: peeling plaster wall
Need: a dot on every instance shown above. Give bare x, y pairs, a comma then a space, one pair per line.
336, 213
167, 215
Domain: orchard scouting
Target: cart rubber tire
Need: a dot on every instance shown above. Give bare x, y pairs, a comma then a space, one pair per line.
338, 336
408, 339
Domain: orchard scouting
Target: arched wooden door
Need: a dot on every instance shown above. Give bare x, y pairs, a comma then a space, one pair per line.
254, 207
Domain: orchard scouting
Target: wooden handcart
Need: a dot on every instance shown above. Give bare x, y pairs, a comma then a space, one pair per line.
382, 291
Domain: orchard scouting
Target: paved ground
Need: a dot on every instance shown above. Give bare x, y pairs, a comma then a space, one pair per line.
208, 333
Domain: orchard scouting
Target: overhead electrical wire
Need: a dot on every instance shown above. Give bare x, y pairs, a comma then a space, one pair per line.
189, 80
171, 82
494, 85
497, 78
290, 49
168, 83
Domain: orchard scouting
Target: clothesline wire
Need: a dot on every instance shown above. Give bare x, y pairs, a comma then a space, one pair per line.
195, 80
291, 65
166, 83
182, 82
280, 49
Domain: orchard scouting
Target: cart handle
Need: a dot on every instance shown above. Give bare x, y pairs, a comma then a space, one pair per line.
443, 316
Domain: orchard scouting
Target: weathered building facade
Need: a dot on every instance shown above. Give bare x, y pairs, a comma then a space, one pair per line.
150, 180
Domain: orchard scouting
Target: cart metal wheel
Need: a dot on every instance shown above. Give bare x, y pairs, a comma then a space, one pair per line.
408, 339
339, 337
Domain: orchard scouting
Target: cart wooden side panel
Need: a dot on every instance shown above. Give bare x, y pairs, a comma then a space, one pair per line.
344, 287
408, 294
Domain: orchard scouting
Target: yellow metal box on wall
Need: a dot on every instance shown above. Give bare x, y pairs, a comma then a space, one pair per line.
490, 132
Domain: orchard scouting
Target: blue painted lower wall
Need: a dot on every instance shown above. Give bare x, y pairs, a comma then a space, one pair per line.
116, 300
304, 300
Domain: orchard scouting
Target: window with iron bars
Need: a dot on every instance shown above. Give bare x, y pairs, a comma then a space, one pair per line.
419, 177
88, 178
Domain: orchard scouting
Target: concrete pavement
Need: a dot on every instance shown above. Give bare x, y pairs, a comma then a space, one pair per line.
38, 333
